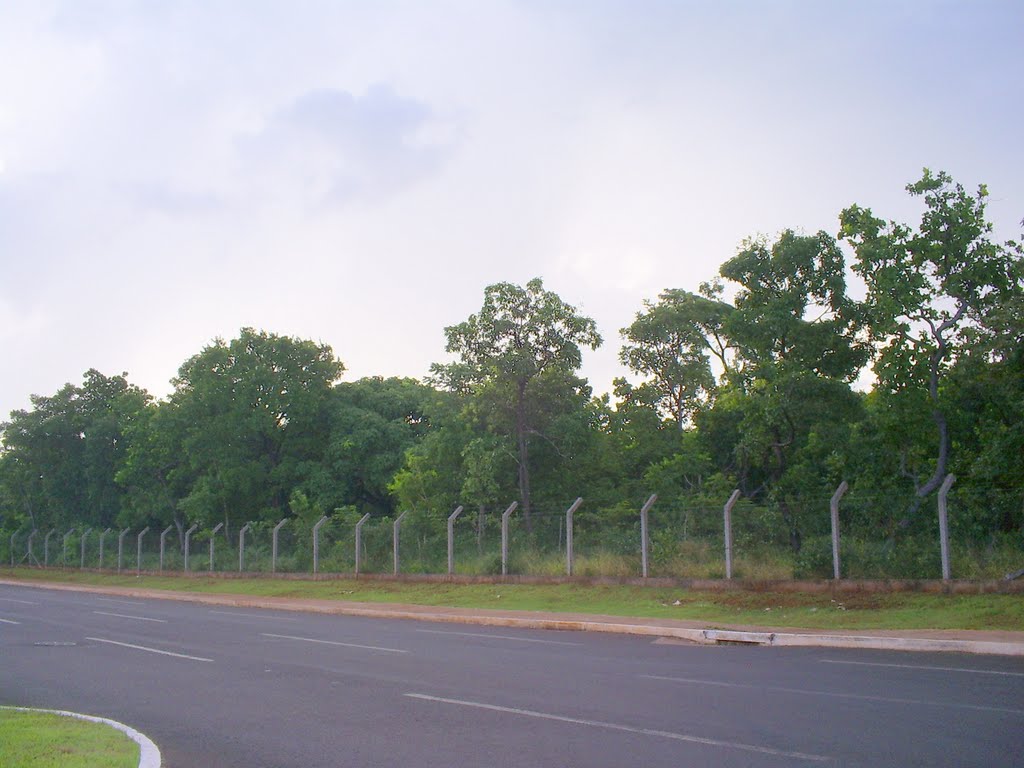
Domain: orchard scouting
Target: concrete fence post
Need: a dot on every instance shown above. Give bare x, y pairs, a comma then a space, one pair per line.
451, 539
103, 536
30, 555
316, 544
241, 546
138, 552
213, 538
727, 522
163, 541
64, 553
120, 547
359, 540
645, 538
944, 525
273, 545
188, 542
570, 558
13, 535
46, 548
396, 528
834, 511
504, 536
81, 546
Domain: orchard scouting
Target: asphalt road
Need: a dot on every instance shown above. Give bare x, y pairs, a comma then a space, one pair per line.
226, 688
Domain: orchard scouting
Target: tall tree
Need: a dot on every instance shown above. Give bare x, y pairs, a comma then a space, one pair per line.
255, 417
521, 336
671, 344
933, 292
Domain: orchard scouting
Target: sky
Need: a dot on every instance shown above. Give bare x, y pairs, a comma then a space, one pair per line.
357, 173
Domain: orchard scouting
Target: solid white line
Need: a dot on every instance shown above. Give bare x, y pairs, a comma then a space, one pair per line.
626, 728
8, 621
125, 616
13, 600
150, 650
921, 666
833, 695
498, 637
333, 642
254, 615
149, 755
119, 602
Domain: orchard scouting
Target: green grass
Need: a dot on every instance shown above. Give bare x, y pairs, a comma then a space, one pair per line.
899, 610
43, 740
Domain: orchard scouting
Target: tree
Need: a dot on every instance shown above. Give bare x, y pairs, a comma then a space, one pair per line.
520, 336
671, 343
933, 294
798, 346
61, 457
254, 414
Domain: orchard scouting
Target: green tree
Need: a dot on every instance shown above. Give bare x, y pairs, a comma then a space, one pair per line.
521, 337
255, 421
671, 344
934, 293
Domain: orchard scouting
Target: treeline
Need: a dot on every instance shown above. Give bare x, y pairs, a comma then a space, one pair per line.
748, 383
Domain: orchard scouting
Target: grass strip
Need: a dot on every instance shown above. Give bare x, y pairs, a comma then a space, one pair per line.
46, 740
868, 610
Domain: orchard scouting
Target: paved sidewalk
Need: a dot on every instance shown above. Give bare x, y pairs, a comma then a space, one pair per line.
1003, 643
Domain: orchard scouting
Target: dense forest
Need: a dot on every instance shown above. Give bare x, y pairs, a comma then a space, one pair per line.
886, 355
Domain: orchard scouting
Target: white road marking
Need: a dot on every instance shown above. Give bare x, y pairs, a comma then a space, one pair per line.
119, 602
834, 695
150, 650
497, 637
334, 642
13, 600
625, 728
126, 616
254, 615
8, 621
921, 666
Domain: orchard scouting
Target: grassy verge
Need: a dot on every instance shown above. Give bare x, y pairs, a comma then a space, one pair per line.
906, 610
43, 740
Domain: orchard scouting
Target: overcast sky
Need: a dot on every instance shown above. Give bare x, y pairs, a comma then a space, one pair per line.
356, 173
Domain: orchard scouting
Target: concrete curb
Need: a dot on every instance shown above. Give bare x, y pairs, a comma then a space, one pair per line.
702, 636
149, 755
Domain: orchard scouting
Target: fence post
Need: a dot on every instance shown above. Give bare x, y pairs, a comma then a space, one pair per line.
359, 540
213, 537
241, 546
46, 548
451, 539
188, 542
944, 524
569, 557
727, 514
273, 546
138, 554
394, 537
834, 510
504, 536
163, 539
12, 547
81, 542
120, 547
103, 535
644, 535
316, 544
31, 556
64, 553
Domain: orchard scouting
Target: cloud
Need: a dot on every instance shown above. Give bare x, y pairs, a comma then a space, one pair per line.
333, 147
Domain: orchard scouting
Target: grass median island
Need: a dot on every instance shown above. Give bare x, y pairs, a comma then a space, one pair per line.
851, 611
46, 740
